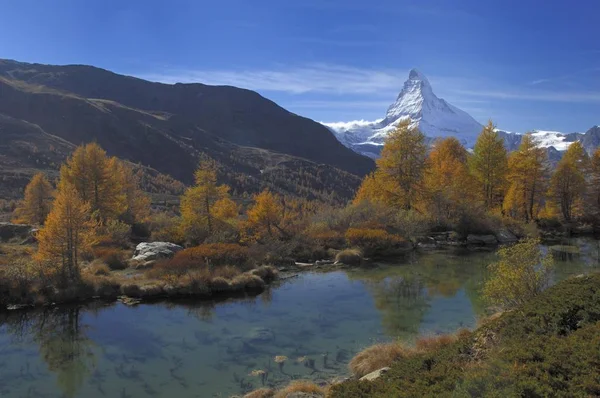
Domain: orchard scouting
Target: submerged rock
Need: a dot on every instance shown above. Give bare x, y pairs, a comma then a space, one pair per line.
259, 335
148, 251
374, 375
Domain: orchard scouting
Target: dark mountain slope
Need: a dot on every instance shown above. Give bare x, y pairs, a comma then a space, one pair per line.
236, 115
58, 121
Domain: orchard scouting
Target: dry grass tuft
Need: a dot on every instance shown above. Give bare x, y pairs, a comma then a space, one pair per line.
300, 386
349, 257
433, 343
226, 271
97, 268
265, 272
376, 357
261, 393
247, 281
219, 284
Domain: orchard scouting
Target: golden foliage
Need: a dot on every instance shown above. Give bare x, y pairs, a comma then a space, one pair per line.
373, 241
400, 169
67, 233
95, 178
489, 166
521, 273
527, 180
203, 203
450, 187
568, 185
37, 202
265, 216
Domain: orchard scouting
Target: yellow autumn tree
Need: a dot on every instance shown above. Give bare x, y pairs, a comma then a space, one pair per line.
489, 165
521, 273
67, 233
203, 205
398, 179
450, 188
136, 202
527, 180
96, 179
568, 184
37, 202
265, 216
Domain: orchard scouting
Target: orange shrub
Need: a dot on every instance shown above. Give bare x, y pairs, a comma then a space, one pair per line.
216, 254
111, 256
374, 242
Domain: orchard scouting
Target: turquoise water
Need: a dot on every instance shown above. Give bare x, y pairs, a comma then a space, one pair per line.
199, 349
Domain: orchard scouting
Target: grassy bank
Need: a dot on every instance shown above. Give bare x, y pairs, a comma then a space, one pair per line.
548, 347
110, 275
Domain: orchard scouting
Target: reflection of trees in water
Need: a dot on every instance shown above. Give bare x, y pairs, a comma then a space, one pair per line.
403, 292
402, 303
62, 342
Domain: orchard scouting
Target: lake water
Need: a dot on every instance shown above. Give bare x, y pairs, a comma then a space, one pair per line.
199, 349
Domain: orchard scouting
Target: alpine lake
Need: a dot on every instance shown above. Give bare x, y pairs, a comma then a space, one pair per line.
317, 320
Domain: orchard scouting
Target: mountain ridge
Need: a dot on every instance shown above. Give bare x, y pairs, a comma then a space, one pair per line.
257, 143
437, 118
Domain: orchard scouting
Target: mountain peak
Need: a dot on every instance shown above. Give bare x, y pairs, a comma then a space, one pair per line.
414, 74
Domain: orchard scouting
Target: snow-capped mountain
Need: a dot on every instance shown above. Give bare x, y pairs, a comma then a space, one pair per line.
434, 117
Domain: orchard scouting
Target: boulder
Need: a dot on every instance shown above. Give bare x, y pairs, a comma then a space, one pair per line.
482, 240
374, 375
10, 231
148, 251
505, 236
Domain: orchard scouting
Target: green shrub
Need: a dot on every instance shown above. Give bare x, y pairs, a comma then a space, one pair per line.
549, 346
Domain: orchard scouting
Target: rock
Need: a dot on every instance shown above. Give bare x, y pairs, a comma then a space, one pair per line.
148, 251
10, 231
259, 335
505, 236
482, 239
374, 375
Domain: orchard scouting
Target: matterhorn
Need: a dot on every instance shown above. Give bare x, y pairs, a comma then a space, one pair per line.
417, 102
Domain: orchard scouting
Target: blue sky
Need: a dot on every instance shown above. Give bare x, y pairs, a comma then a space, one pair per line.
525, 64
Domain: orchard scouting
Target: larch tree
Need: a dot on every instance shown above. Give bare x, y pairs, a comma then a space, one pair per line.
489, 165
266, 215
96, 179
527, 180
450, 188
136, 202
67, 233
593, 186
401, 167
568, 183
202, 203
37, 203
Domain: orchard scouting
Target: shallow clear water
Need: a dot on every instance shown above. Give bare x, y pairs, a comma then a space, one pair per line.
194, 349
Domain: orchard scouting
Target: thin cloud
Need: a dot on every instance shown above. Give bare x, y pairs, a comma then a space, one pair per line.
320, 78
547, 96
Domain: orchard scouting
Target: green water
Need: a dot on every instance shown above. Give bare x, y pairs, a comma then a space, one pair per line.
194, 349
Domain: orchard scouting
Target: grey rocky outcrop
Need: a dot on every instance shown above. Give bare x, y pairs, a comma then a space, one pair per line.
148, 251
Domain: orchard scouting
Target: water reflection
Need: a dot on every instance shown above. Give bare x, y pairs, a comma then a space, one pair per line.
63, 345
317, 322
